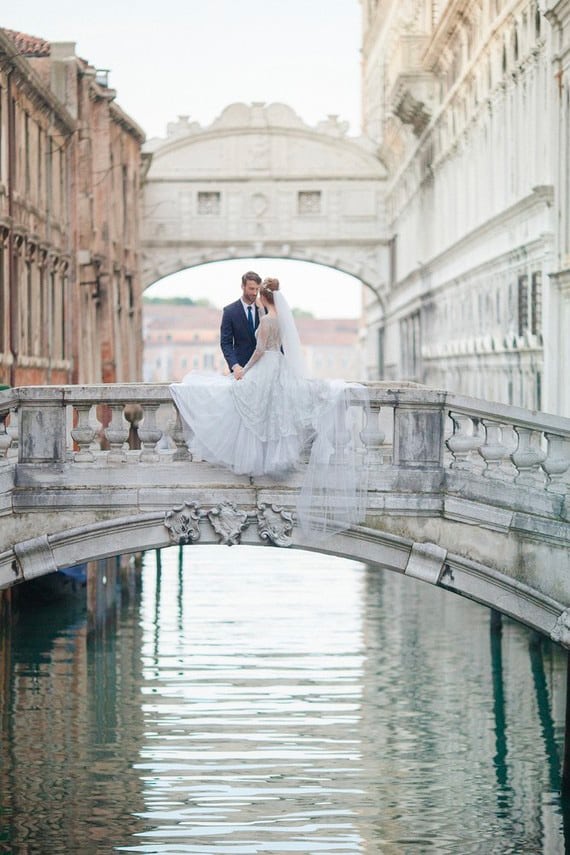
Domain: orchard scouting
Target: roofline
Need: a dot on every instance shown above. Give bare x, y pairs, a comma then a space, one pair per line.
123, 118
32, 80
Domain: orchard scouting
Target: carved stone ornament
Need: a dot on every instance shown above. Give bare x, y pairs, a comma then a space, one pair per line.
228, 522
561, 631
275, 524
183, 523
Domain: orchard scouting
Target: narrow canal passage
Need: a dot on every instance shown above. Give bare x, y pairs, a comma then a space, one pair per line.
270, 701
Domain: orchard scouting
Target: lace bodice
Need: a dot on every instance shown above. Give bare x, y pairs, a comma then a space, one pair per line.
268, 338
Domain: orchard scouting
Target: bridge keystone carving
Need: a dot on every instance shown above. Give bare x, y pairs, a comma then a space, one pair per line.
274, 523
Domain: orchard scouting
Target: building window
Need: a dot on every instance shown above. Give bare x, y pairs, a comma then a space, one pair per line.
209, 203
410, 346
523, 304
130, 294
2, 294
1, 134
381, 353
536, 303
309, 202
27, 179
393, 260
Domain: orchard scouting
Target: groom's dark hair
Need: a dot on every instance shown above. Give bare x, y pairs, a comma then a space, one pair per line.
250, 275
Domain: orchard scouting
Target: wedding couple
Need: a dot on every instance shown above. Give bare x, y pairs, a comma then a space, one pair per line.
258, 420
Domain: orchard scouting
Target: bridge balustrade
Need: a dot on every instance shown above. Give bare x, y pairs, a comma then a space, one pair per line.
408, 427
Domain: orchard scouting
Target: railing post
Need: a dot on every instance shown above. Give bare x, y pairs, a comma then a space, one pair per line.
42, 425
419, 434
372, 435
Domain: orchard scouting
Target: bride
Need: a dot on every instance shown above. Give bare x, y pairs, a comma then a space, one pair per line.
260, 424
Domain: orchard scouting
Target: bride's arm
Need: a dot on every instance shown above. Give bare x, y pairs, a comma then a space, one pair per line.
260, 347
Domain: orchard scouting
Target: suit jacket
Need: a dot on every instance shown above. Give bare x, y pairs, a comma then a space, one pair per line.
236, 339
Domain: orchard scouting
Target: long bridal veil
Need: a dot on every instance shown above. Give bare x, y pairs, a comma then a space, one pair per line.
333, 494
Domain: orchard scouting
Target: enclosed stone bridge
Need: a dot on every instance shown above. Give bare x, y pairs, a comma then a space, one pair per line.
464, 494
257, 182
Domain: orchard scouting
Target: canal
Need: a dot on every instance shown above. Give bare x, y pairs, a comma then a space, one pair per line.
270, 701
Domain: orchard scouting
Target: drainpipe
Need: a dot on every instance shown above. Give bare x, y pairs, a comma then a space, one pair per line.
12, 269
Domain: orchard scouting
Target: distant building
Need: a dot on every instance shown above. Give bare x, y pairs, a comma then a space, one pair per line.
70, 172
468, 105
182, 338
179, 339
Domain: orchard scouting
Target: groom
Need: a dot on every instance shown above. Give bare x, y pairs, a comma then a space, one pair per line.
239, 322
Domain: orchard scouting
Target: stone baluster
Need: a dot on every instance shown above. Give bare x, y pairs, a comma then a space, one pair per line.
117, 434
557, 462
493, 450
338, 432
372, 434
176, 432
5, 438
83, 434
13, 431
528, 456
149, 433
464, 440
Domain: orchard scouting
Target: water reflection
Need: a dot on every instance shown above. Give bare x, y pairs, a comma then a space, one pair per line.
262, 700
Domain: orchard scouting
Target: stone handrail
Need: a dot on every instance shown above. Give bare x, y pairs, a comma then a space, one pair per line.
407, 426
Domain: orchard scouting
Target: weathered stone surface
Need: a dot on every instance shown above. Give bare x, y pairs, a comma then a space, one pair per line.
503, 543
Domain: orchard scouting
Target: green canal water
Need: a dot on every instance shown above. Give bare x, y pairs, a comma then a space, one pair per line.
270, 701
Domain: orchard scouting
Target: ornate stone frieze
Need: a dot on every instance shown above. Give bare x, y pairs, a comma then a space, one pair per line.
274, 523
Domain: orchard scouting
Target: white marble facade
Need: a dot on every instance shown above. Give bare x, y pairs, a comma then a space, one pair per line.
469, 106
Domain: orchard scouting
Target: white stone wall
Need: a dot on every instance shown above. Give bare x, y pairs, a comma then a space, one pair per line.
472, 125
260, 182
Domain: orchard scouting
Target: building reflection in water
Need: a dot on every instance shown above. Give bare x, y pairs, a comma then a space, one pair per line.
70, 725
269, 700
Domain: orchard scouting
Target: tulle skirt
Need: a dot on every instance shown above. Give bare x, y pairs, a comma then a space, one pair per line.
258, 425
264, 424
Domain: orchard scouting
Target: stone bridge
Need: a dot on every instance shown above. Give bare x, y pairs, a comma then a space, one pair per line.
464, 494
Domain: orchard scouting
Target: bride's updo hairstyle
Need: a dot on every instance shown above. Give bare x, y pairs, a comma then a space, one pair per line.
268, 286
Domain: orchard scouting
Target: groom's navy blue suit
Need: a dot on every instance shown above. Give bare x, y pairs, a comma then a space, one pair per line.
236, 339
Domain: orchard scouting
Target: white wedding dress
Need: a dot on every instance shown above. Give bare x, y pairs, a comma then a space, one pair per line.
261, 425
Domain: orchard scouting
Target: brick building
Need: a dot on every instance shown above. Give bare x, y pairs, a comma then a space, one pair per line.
70, 171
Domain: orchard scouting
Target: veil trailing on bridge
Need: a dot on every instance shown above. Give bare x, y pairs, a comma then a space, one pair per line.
266, 423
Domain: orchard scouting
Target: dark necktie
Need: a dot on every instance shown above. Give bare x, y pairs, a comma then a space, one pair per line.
250, 320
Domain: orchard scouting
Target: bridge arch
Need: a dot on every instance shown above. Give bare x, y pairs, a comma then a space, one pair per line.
383, 550
259, 182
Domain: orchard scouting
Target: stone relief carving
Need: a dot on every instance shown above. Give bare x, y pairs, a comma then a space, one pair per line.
182, 523
274, 523
228, 522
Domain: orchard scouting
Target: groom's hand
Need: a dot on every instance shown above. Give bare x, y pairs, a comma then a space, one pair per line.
237, 372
